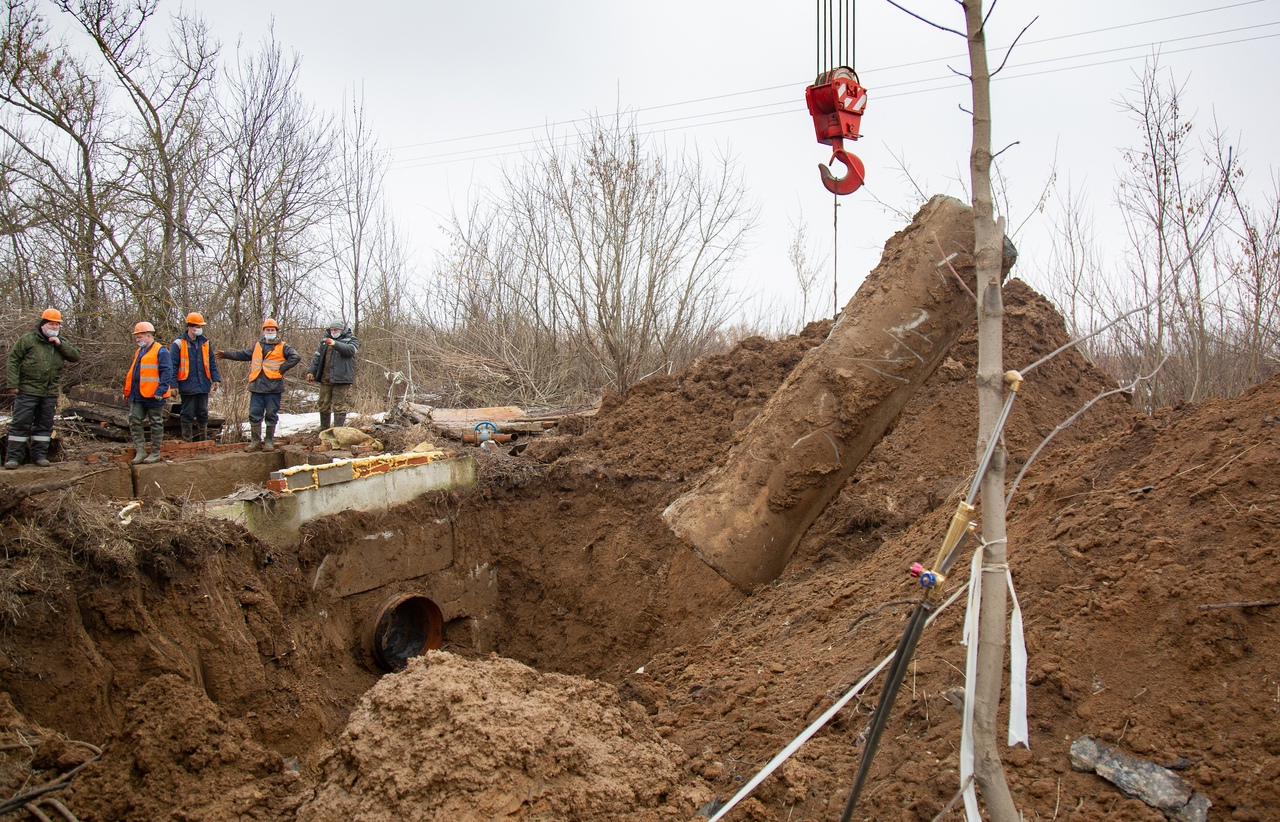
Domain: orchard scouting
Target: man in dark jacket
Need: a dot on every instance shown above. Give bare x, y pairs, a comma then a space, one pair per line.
147, 387
35, 364
268, 361
198, 376
334, 367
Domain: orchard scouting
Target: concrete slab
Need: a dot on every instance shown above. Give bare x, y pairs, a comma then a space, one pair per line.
378, 485
206, 478
107, 478
387, 557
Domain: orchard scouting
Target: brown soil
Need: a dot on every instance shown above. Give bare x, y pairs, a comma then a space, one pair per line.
219, 687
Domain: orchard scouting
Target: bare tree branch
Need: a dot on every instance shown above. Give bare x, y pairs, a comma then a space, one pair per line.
1009, 50
925, 20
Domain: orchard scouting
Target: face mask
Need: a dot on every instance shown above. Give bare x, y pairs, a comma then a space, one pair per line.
144, 343
269, 336
50, 332
335, 334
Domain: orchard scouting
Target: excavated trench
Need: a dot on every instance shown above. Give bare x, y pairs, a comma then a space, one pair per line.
590, 666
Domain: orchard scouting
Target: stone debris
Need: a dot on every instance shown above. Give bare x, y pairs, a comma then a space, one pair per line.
1158, 786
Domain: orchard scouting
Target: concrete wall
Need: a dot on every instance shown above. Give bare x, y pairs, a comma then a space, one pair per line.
209, 477
404, 558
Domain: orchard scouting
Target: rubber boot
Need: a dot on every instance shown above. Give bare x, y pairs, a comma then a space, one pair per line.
269, 444
16, 451
139, 445
38, 450
202, 432
324, 420
339, 419
188, 432
255, 444
157, 439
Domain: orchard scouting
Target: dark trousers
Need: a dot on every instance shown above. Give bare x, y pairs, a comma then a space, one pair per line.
264, 406
195, 408
32, 422
152, 416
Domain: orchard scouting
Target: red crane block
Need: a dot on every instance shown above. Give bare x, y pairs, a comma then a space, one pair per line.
836, 102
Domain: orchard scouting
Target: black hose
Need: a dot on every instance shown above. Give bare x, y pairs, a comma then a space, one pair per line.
892, 681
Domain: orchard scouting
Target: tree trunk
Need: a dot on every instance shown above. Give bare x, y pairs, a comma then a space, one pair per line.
988, 245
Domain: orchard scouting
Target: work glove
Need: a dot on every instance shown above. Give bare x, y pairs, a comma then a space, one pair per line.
311, 378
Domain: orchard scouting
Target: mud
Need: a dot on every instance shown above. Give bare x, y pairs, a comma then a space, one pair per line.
629, 680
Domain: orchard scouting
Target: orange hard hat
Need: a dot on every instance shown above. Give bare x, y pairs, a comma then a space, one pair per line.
144, 328
195, 318
51, 315
270, 323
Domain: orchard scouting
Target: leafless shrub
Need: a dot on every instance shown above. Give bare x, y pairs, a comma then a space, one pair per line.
1202, 270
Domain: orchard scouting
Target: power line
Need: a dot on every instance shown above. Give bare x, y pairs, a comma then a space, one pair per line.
946, 83
765, 89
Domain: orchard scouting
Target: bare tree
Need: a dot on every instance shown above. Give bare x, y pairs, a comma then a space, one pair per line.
57, 200
361, 218
1074, 265
273, 189
806, 268
988, 251
613, 250
170, 95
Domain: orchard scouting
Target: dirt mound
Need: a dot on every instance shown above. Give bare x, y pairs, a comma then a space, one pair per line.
1134, 556
449, 738
178, 757
672, 427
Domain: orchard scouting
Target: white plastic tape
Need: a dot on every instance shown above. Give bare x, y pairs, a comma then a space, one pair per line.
1018, 733
970, 677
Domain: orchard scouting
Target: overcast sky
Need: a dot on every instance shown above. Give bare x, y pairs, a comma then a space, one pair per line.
456, 88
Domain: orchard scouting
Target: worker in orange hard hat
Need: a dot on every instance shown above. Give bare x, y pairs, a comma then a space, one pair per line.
147, 385
35, 366
268, 361
197, 376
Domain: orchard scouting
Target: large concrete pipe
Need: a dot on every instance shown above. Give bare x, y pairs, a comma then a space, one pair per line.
746, 517
404, 626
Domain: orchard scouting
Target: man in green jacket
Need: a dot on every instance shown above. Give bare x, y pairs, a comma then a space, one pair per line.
35, 365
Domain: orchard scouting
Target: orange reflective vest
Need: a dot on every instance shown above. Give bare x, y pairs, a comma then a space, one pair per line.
148, 374
270, 363
184, 361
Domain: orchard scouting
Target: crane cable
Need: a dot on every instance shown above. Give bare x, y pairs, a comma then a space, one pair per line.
834, 45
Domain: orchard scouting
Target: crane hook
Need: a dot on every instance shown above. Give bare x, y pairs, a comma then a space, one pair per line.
855, 172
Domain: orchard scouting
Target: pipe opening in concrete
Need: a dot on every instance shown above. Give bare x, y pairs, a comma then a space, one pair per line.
404, 627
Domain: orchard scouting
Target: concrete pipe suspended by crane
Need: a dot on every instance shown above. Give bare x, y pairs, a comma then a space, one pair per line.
745, 518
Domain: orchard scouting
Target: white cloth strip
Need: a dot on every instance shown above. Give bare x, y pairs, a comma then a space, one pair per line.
970, 678
1018, 732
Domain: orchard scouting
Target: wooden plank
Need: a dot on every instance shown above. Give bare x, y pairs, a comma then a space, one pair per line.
462, 416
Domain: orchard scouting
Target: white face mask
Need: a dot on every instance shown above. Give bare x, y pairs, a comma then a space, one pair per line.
144, 343
269, 336
335, 333
50, 332
197, 331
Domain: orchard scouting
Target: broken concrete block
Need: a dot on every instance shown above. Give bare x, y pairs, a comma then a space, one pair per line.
1158, 786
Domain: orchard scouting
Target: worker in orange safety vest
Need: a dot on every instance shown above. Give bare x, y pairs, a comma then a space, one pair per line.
197, 377
268, 361
147, 386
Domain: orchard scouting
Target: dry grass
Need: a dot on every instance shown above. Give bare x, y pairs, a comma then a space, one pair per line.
503, 471
50, 540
